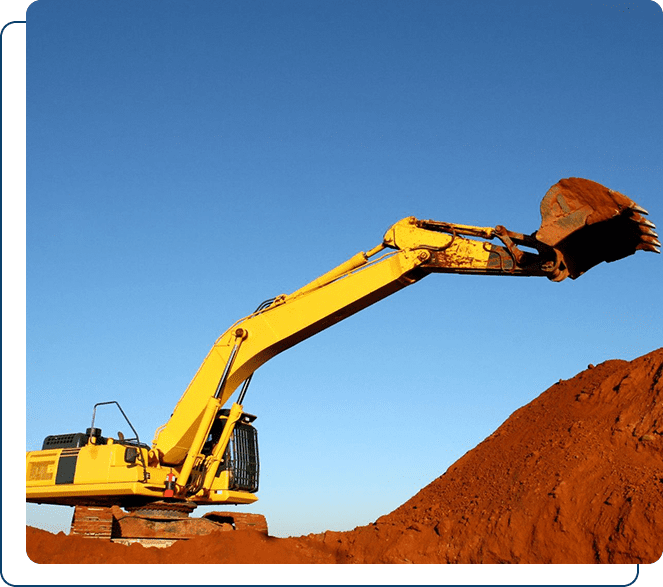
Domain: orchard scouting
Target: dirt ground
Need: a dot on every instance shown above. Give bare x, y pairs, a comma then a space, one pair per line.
575, 476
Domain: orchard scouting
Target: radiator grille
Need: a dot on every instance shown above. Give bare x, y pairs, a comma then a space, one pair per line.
241, 459
74, 440
41, 471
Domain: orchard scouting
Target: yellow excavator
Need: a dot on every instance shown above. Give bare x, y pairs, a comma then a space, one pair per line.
207, 452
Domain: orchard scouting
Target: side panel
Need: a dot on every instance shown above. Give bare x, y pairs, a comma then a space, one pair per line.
41, 467
66, 469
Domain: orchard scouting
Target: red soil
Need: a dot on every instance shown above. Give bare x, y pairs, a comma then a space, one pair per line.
575, 476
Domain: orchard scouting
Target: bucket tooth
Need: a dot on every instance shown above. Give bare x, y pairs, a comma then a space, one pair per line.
642, 220
639, 209
648, 247
646, 230
650, 240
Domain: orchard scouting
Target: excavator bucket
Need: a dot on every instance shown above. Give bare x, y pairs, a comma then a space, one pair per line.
587, 223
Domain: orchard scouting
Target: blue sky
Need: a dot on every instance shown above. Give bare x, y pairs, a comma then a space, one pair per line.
187, 160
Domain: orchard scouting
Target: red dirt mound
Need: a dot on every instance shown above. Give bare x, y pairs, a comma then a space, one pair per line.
576, 476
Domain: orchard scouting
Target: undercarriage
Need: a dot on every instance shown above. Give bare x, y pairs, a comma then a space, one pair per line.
158, 524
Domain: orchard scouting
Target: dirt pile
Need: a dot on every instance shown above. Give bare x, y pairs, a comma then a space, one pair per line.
576, 476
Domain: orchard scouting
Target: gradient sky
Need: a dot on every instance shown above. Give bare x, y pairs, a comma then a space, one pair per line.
188, 160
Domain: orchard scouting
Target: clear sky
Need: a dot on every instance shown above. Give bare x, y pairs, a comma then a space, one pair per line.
188, 160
